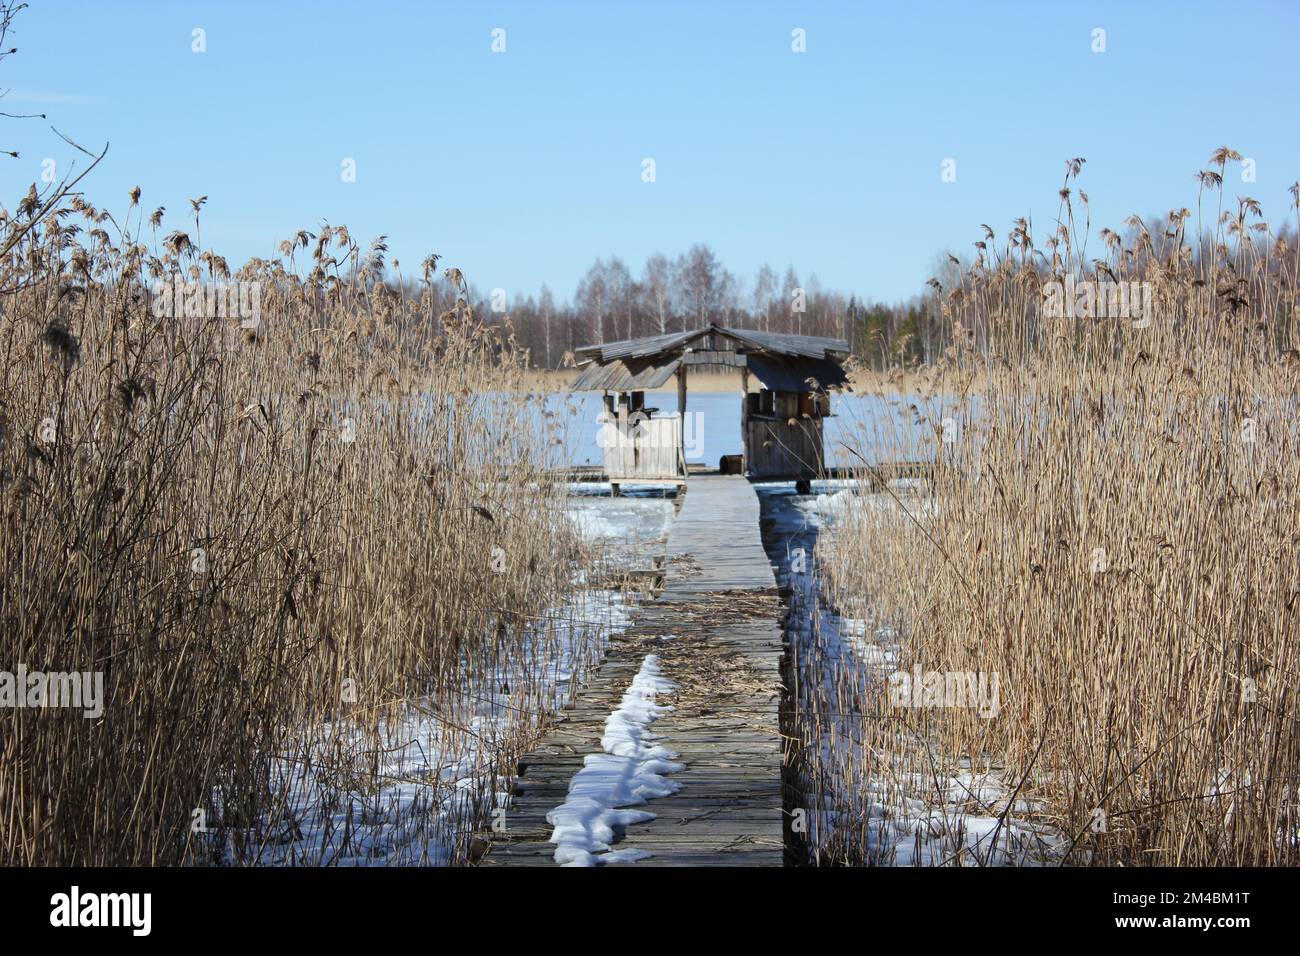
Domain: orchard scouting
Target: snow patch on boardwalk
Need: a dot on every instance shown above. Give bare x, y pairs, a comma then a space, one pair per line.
629, 772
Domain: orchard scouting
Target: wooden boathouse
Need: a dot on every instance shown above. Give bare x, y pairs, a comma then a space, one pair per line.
781, 422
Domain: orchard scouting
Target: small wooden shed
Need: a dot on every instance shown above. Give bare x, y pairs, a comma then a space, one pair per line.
781, 423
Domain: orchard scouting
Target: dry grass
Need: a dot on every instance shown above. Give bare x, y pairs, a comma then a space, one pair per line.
1102, 534
253, 535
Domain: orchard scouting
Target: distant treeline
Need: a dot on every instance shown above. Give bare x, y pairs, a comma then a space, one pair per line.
672, 295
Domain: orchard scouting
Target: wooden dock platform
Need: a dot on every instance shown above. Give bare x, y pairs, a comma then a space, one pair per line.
716, 629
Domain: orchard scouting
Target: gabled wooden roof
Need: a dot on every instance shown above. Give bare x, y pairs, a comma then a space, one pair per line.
806, 346
781, 362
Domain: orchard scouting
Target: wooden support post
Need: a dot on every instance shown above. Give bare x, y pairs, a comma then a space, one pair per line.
681, 411
744, 421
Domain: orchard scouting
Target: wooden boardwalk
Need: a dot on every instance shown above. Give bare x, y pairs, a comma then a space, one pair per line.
717, 631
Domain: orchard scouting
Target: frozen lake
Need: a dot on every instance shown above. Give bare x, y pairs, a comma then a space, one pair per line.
876, 427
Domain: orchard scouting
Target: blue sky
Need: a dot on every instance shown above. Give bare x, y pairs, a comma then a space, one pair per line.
523, 167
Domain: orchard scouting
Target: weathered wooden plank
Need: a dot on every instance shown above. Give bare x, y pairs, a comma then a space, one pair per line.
721, 609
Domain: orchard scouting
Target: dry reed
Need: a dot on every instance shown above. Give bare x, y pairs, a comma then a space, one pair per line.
256, 535
1112, 530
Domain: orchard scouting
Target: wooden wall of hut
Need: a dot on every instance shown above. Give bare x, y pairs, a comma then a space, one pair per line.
783, 433
644, 450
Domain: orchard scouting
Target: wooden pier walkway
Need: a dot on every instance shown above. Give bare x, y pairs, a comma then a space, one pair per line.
716, 629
